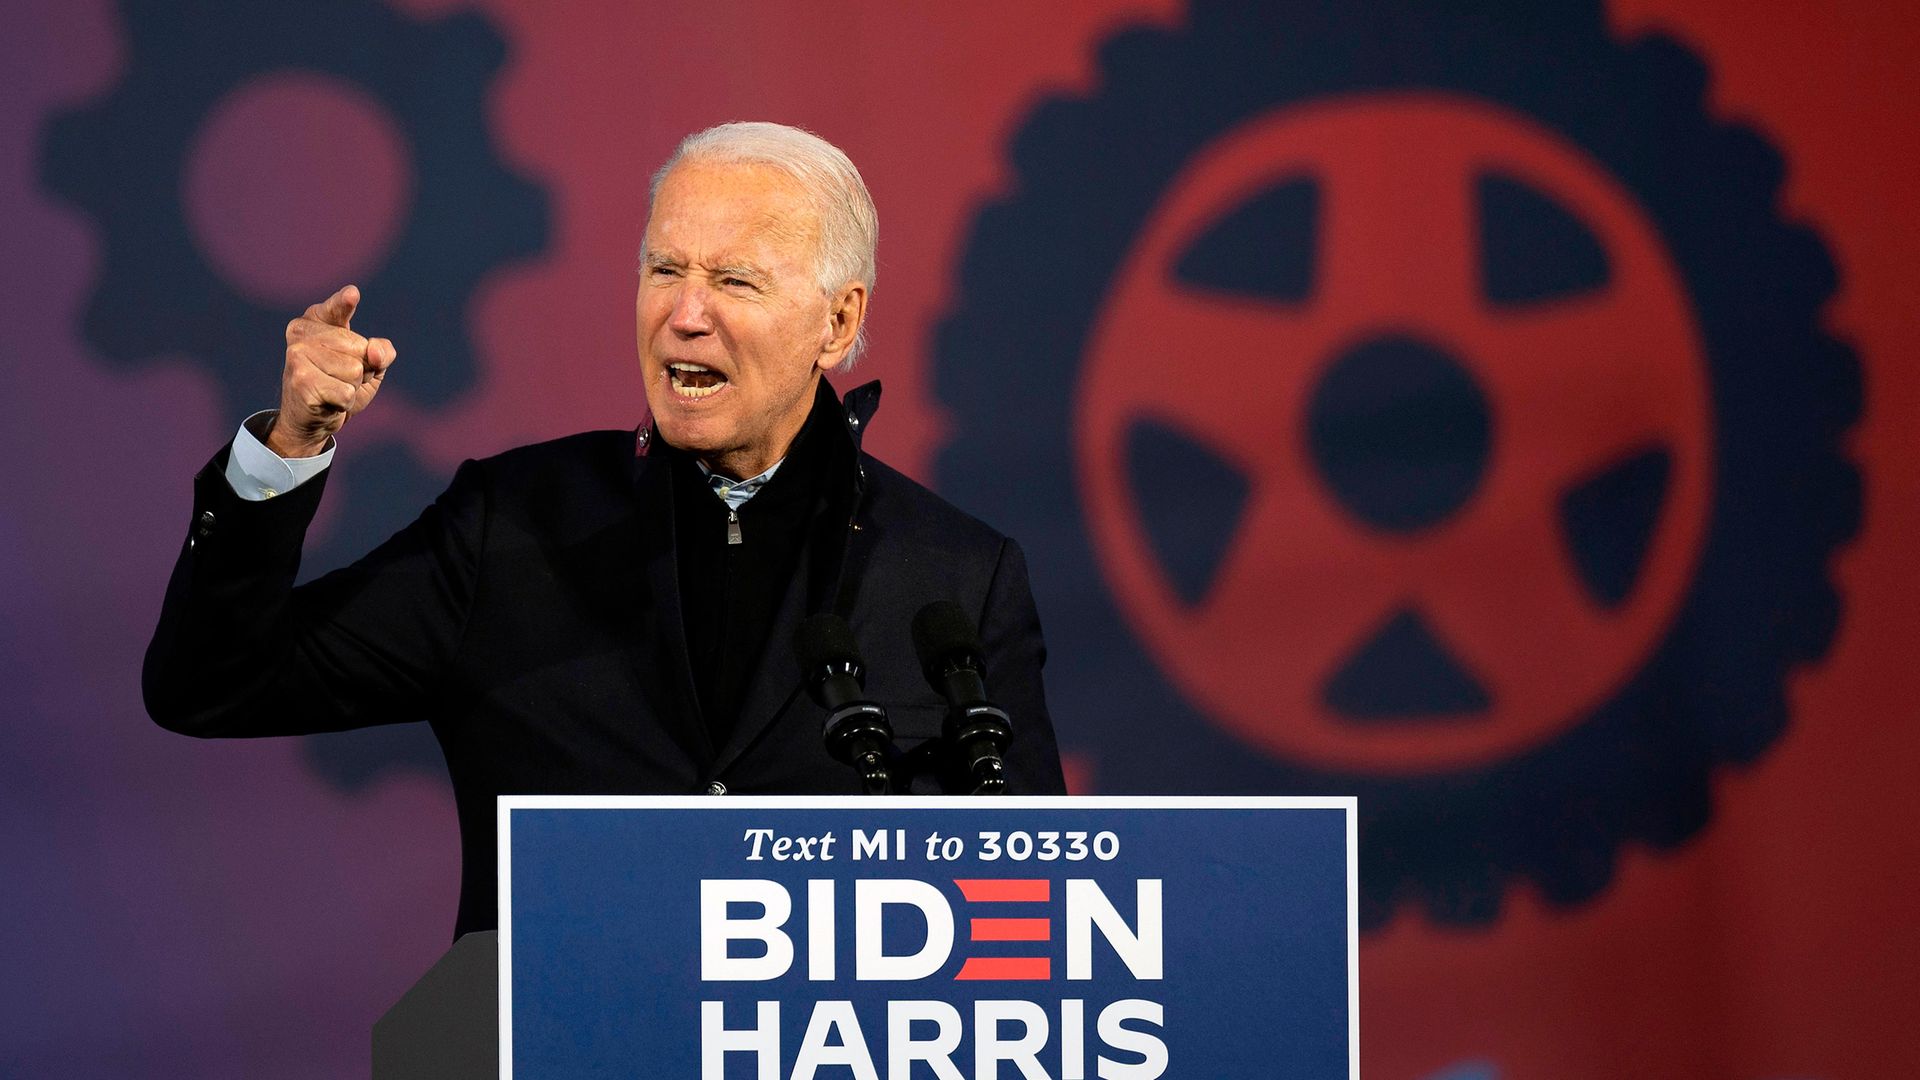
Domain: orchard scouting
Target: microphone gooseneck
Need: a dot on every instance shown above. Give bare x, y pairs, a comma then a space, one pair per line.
954, 663
856, 729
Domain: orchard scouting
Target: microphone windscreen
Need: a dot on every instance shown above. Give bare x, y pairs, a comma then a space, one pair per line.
825, 639
940, 630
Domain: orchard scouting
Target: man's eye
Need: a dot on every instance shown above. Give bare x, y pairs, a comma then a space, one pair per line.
661, 271
734, 282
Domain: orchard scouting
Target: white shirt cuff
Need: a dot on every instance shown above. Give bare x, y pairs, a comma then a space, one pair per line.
256, 473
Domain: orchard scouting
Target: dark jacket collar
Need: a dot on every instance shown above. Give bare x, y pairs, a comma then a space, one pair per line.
855, 412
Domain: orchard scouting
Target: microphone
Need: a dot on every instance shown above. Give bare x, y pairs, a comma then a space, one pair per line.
953, 661
856, 730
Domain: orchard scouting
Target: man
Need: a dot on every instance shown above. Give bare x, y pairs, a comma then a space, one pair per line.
613, 612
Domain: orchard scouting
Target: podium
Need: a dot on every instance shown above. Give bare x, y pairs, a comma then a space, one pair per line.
447, 1027
793, 938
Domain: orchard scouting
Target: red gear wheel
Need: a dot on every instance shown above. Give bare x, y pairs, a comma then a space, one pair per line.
1574, 384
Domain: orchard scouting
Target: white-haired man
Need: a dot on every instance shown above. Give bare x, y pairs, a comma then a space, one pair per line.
611, 612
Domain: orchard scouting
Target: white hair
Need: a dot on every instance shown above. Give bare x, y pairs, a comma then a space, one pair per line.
849, 226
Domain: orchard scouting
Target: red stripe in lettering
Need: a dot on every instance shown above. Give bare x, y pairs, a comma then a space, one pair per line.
1010, 930
1011, 890
1023, 968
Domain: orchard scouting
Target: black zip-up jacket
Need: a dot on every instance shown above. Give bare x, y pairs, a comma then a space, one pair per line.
532, 616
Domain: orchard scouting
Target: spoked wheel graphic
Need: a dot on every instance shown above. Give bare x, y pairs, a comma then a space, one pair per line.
1414, 437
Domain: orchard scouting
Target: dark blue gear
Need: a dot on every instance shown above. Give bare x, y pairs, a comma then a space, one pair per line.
121, 160
1039, 263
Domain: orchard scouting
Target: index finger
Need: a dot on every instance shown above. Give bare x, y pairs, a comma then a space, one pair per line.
337, 310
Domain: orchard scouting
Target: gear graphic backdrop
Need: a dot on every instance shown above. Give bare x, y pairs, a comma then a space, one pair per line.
124, 160
1237, 466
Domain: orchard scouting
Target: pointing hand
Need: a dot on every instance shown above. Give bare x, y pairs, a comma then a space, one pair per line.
331, 373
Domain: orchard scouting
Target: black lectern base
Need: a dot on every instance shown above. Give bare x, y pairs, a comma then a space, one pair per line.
448, 1026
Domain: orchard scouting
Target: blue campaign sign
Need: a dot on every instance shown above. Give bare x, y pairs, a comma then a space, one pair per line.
795, 938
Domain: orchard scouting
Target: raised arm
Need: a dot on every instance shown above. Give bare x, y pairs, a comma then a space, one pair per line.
239, 650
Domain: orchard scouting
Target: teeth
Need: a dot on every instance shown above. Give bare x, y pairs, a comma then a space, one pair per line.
679, 371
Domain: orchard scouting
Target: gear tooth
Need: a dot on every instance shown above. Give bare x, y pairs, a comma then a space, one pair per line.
1244, 22
1382, 843
1670, 71
1469, 895
1574, 861
105, 328
470, 36
1799, 245
1811, 414
58, 148
1685, 805
1127, 54
69, 161
535, 212
1817, 625
1744, 151
1053, 124
1844, 494
1376, 910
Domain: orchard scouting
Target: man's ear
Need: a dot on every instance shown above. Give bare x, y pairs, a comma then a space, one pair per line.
846, 313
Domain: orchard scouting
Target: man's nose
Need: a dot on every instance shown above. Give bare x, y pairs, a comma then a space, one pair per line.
690, 316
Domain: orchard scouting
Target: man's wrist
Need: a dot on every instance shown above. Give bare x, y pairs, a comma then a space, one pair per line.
280, 439
256, 471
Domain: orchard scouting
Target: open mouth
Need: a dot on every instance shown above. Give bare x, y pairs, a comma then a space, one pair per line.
694, 380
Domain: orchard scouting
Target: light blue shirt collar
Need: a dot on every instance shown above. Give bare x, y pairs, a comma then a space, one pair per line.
735, 493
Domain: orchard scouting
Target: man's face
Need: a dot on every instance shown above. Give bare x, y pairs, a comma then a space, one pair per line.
733, 327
